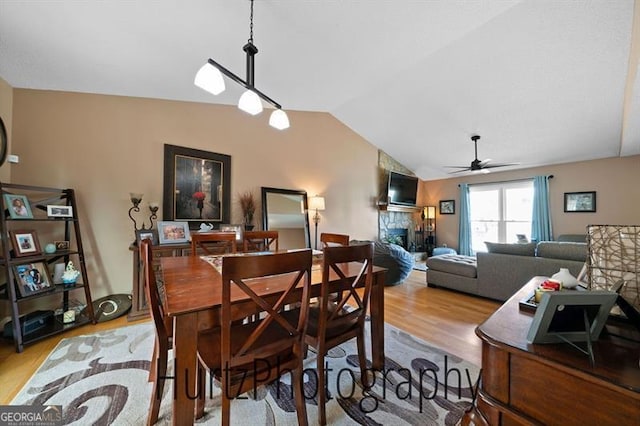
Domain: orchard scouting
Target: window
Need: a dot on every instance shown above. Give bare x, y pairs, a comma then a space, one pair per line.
500, 211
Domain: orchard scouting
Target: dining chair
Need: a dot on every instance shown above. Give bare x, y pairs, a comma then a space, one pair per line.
163, 328
241, 356
260, 241
209, 243
332, 320
332, 240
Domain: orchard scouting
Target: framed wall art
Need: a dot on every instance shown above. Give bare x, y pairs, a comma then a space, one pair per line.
173, 232
18, 206
196, 186
580, 202
24, 243
447, 207
32, 278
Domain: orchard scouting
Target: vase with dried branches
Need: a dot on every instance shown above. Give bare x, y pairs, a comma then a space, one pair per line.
248, 206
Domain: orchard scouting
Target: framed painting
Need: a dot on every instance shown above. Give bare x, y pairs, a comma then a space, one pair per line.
196, 186
18, 206
32, 278
580, 202
447, 207
173, 232
24, 243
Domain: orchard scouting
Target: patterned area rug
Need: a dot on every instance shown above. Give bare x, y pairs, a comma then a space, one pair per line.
101, 379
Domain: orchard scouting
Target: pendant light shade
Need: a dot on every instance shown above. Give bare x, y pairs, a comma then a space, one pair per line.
279, 119
250, 102
210, 79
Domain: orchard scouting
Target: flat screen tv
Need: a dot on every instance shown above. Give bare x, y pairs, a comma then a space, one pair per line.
402, 189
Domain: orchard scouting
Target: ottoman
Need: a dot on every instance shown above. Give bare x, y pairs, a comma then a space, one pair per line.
453, 271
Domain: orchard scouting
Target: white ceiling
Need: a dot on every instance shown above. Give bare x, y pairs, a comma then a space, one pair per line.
542, 81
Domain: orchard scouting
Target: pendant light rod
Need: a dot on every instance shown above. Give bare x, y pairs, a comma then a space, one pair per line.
243, 83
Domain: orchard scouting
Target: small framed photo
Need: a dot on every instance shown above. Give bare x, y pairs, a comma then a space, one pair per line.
32, 278
233, 228
580, 202
448, 207
18, 206
147, 234
59, 211
173, 232
24, 243
61, 245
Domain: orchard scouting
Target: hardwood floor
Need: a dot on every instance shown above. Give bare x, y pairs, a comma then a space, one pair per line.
444, 318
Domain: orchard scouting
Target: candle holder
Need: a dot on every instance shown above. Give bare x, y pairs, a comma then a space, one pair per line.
136, 199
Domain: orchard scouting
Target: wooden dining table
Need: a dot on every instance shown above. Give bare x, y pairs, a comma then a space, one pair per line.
192, 297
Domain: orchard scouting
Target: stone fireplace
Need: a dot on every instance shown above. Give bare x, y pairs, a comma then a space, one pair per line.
399, 224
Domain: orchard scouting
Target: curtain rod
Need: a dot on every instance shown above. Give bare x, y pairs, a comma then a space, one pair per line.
504, 181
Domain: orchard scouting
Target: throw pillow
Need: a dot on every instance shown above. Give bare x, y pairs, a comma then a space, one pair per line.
528, 249
560, 250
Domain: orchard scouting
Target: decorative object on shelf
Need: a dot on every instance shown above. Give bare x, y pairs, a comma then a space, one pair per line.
580, 202
62, 245
447, 207
173, 232
59, 211
233, 228
206, 227
18, 206
32, 278
69, 316
58, 270
147, 234
136, 199
316, 203
248, 205
24, 243
209, 78
565, 277
196, 186
50, 248
70, 275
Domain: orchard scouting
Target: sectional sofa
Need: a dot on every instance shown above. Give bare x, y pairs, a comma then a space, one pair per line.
505, 268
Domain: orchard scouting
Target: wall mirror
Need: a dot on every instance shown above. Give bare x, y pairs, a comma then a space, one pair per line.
285, 211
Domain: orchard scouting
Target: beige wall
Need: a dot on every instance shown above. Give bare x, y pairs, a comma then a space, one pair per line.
615, 181
6, 112
108, 146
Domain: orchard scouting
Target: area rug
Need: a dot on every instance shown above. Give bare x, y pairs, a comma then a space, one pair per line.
101, 379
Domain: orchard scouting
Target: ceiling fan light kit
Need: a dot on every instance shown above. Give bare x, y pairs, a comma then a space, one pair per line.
210, 78
479, 166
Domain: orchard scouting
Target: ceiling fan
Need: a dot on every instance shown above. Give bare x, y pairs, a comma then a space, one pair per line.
479, 165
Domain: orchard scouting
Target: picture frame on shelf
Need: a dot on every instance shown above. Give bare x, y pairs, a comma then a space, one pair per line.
197, 186
447, 206
24, 242
580, 202
147, 234
62, 245
32, 278
18, 206
172, 232
238, 229
59, 211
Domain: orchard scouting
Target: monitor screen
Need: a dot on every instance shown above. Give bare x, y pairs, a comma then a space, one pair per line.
402, 189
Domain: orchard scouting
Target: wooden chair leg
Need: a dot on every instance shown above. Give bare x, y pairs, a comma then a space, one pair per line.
158, 386
298, 389
153, 372
362, 360
202, 392
322, 391
226, 408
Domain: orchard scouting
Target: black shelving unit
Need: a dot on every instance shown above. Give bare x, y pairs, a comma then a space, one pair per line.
69, 229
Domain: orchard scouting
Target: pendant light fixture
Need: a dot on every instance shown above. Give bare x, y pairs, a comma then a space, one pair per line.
209, 78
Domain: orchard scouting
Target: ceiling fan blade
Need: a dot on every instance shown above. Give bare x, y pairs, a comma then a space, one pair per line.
491, 166
460, 171
485, 162
456, 167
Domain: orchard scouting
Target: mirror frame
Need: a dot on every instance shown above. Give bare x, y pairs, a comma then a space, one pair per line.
265, 217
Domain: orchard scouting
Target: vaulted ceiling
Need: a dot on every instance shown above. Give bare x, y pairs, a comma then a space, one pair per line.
542, 81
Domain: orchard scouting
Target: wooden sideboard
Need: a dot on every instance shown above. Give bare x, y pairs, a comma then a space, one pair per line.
554, 384
139, 308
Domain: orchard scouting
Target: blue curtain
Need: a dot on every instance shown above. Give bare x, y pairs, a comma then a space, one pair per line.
464, 228
541, 217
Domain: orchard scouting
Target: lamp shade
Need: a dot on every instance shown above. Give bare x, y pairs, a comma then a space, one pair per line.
430, 212
316, 203
250, 102
279, 119
210, 79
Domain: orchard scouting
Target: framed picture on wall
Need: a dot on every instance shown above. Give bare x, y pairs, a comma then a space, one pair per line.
197, 186
580, 202
447, 207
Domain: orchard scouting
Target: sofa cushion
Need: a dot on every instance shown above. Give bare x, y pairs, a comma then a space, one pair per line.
558, 250
454, 264
572, 238
526, 249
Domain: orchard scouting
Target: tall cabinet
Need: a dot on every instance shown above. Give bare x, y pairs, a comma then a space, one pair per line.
40, 235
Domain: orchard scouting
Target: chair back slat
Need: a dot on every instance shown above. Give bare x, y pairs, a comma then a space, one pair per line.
211, 243
332, 240
260, 241
152, 292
